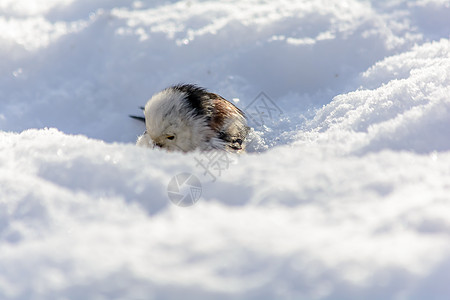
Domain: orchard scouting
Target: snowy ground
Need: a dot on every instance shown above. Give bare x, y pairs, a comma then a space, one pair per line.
345, 193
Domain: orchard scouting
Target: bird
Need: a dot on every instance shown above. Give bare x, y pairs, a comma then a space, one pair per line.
186, 117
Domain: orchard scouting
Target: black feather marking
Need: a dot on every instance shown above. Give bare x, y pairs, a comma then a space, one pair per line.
237, 148
138, 118
232, 142
195, 96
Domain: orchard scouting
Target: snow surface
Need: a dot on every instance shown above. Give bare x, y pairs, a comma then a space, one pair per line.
344, 195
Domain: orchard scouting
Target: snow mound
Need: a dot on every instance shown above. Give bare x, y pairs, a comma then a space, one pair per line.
344, 194
410, 112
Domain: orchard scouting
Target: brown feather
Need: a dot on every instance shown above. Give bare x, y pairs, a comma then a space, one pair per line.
222, 110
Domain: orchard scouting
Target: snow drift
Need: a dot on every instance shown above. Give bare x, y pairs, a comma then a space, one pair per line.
343, 195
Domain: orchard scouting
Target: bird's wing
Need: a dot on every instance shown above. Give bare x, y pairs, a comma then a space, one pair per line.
229, 121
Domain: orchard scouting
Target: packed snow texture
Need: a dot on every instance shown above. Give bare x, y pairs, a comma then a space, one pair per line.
345, 191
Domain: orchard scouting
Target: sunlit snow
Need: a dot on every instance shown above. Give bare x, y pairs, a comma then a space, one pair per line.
343, 194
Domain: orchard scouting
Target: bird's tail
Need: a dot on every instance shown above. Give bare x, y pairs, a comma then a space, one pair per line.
138, 117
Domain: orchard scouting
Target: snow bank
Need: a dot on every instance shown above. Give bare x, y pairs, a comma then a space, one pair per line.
344, 195
409, 111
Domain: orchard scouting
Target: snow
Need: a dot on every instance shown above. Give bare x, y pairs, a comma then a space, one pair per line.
344, 193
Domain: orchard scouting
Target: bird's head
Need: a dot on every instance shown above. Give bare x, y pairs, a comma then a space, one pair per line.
171, 123
169, 136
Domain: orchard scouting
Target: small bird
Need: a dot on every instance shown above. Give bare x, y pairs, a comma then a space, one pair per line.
186, 117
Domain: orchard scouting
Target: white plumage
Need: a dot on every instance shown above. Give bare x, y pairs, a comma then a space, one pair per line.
187, 117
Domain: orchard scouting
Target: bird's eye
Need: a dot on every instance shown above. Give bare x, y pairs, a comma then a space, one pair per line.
170, 137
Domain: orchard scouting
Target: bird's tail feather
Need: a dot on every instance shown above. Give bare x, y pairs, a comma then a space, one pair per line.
137, 118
